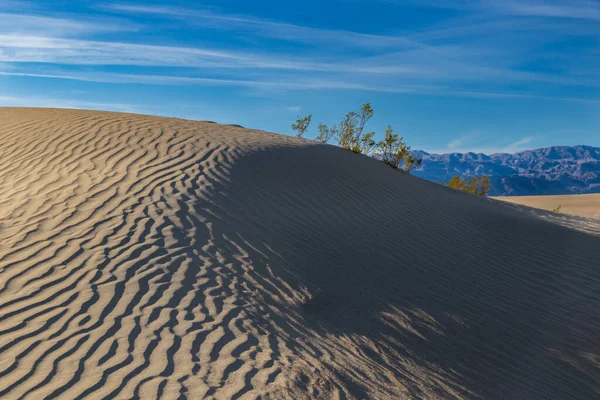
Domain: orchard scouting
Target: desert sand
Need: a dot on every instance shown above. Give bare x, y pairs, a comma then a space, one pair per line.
146, 257
584, 205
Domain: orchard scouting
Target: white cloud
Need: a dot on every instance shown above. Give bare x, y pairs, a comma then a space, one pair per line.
518, 145
461, 147
576, 9
19, 24
279, 85
395, 58
297, 84
20, 101
394, 63
21, 48
456, 143
29, 48
294, 109
273, 29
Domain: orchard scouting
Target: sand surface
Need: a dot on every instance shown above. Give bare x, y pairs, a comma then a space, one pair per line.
584, 205
146, 257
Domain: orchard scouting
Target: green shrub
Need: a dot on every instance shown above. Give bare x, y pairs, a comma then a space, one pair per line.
349, 133
475, 185
301, 125
326, 134
350, 136
394, 152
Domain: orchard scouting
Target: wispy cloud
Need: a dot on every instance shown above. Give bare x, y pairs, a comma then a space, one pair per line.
472, 143
575, 9
492, 51
457, 143
271, 29
18, 24
279, 85
43, 49
395, 54
297, 84
516, 95
29, 101
395, 63
425, 75
519, 145
29, 48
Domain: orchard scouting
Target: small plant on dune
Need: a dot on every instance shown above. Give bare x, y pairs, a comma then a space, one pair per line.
411, 162
475, 185
366, 144
557, 209
350, 135
326, 134
350, 132
301, 125
346, 130
394, 152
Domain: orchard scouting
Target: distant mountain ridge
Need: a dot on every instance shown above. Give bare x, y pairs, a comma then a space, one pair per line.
545, 171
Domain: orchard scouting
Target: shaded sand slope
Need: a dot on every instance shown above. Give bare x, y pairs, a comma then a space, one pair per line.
145, 257
584, 205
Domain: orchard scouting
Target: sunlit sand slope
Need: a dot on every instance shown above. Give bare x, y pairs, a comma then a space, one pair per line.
584, 205
145, 257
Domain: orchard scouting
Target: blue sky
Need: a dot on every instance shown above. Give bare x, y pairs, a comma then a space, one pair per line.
449, 75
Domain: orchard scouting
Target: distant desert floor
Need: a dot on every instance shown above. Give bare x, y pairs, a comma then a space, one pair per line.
583, 205
158, 258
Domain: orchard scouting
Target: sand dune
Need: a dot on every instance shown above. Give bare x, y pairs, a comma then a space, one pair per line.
584, 205
146, 257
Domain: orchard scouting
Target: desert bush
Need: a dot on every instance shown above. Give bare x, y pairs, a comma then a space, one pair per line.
366, 144
475, 185
394, 152
350, 135
326, 134
350, 132
301, 125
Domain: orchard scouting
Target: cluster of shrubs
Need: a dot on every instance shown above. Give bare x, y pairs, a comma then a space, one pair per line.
479, 185
350, 134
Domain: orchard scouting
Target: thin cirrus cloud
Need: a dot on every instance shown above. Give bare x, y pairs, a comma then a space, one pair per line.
272, 29
286, 85
304, 84
395, 64
470, 60
466, 144
29, 101
23, 48
574, 9
457, 143
18, 23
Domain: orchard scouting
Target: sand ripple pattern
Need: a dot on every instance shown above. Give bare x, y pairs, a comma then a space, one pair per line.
145, 257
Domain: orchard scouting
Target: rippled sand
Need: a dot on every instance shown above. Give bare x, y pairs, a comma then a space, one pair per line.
146, 257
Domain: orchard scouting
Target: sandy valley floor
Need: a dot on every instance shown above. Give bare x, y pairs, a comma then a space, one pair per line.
584, 205
146, 257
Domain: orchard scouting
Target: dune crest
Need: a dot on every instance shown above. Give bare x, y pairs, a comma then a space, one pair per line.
147, 257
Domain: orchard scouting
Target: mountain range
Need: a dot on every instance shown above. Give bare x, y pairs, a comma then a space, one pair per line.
546, 171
